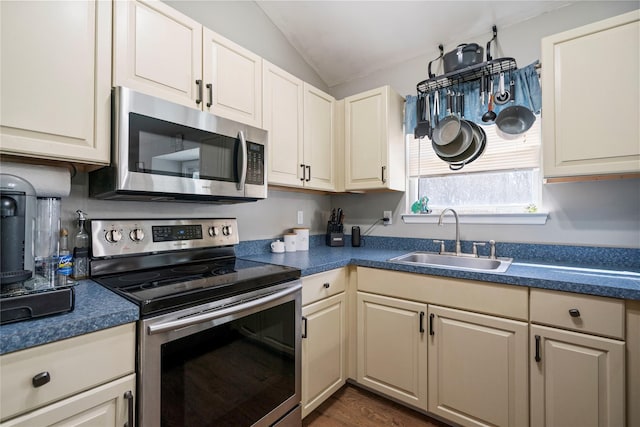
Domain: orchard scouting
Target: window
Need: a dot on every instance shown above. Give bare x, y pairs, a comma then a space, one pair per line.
505, 179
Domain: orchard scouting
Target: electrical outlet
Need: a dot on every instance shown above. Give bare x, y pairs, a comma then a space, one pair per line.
387, 214
300, 217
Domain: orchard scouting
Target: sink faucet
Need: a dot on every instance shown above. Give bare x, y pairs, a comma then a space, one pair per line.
455, 214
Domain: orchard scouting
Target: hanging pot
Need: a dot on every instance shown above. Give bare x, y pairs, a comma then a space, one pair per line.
515, 119
463, 56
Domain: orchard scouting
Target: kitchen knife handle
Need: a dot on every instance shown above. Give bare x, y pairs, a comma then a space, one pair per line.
128, 396
422, 322
304, 329
537, 357
199, 98
210, 91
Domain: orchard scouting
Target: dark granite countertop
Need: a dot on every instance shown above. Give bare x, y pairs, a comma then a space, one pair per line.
96, 308
610, 282
538, 266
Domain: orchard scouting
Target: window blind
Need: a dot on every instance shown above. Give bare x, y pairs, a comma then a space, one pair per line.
517, 152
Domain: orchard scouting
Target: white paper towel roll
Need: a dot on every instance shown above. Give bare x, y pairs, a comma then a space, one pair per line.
48, 181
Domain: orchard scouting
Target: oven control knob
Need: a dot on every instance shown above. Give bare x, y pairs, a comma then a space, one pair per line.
227, 230
213, 231
113, 236
136, 235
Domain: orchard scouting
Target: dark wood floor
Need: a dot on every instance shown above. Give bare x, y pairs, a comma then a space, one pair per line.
353, 406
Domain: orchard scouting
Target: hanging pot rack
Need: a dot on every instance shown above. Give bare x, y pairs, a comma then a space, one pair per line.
474, 72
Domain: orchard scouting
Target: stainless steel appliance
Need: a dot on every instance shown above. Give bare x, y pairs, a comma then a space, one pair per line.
219, 337
163, 151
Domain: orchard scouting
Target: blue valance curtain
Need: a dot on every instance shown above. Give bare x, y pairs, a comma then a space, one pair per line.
527, 88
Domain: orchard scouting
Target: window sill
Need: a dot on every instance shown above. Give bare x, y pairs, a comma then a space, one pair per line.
537, 218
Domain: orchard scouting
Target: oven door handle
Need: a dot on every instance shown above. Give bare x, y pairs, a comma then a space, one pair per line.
202, 318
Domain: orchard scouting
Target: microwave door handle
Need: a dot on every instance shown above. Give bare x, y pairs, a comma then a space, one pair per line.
242, 162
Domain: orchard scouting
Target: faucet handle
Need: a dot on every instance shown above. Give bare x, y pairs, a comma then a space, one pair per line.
442, 249
492, 251
475, 247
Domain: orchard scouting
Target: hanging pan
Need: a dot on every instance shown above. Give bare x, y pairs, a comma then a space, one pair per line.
515, 119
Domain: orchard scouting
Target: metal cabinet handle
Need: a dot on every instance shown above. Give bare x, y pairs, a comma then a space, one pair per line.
199, 98
41, 379
303, 172
384, 180
308, 173
537, 358
574, 312
210, 91
431, 317
304, 329
326, 285
128, 396
422, 322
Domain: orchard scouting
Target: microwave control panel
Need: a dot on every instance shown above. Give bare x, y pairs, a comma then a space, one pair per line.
255, 163
111, 237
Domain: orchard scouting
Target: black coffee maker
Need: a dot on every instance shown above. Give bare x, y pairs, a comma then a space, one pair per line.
17, 211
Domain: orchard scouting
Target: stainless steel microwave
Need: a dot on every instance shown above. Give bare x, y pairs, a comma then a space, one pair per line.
162, 151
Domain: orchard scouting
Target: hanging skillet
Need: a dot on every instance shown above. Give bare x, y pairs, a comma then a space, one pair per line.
515, 119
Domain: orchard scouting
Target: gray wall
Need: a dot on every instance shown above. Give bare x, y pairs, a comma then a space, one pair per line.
588, 213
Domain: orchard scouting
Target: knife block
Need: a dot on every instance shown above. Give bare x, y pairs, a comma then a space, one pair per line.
334, 239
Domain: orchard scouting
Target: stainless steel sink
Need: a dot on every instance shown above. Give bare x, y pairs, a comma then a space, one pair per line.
429, 259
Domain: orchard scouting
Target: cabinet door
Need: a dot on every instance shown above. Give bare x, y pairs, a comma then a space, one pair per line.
392, 348
56, 80
283, 118
366, 139
318, 139
578, 380
104, 406
478, 368
235, 76
157, 50
590, 120
323, 351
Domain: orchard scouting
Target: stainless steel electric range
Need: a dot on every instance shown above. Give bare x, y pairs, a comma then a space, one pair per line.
219, 337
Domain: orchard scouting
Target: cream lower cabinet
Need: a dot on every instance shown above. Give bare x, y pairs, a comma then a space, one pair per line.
86, 380
324, 338
56, 80
392, 347
577, 360
477, 368
374, 143
580, 137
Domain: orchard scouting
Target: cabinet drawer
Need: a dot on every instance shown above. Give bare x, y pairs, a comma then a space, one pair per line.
595, 315
73, 365
322, 285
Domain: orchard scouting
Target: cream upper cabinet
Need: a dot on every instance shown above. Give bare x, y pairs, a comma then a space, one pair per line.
324, 339
56, 80
157, 50
590, 110
319, 141
392, 347
232, 79
478, 368
374, 144
283, 103
300, 121
162, 52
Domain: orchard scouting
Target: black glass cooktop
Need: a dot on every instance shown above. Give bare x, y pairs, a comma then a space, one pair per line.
170, 288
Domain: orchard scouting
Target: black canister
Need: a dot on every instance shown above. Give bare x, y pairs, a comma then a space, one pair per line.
355, 236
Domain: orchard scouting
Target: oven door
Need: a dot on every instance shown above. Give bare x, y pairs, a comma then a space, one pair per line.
234, 362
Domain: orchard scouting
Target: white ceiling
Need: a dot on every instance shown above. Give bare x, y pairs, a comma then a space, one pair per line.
346, 40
